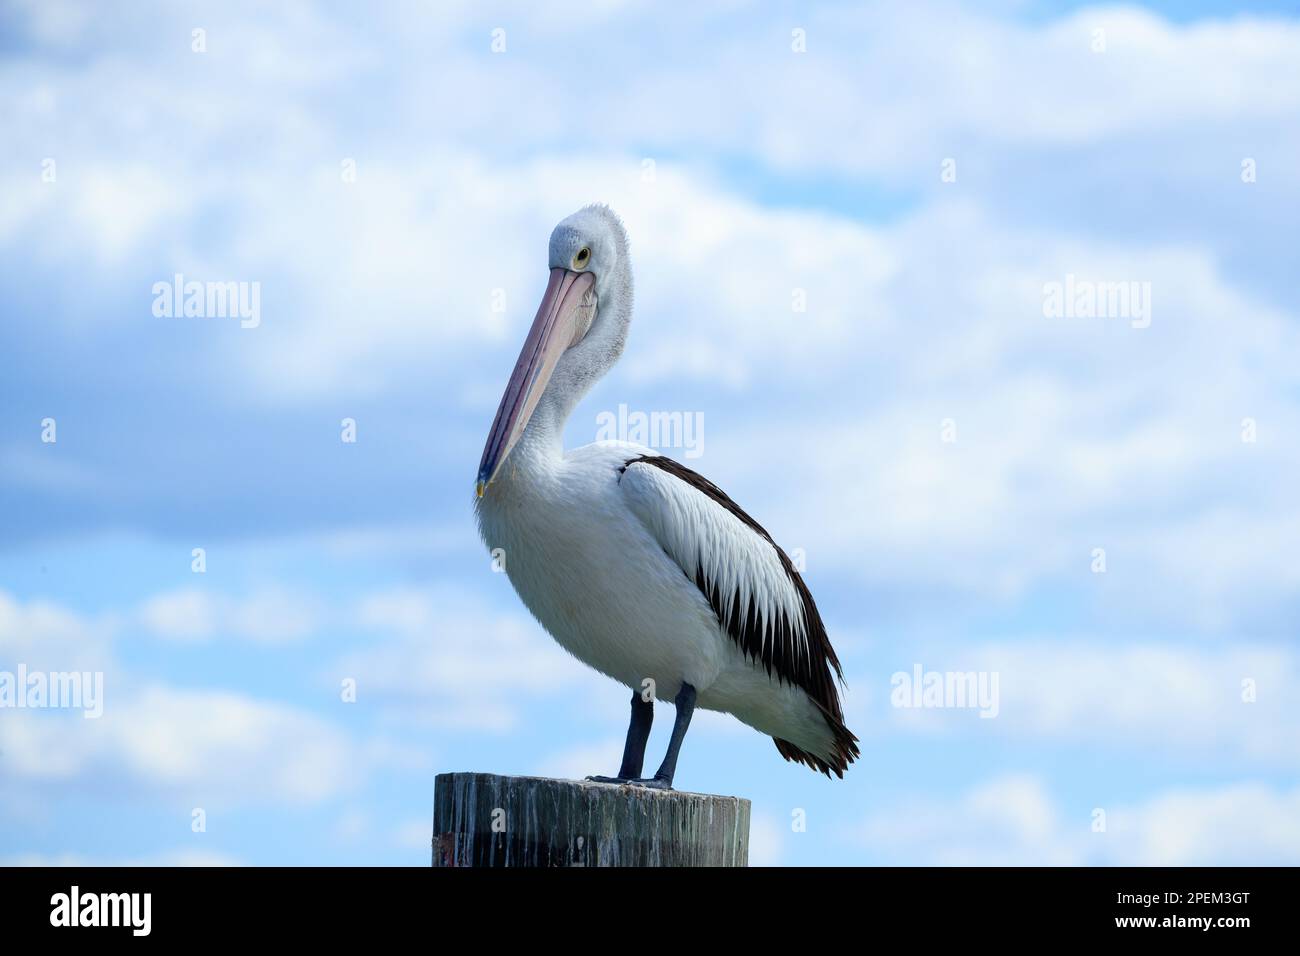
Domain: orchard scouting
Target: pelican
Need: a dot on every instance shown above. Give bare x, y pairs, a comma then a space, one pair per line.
636, 565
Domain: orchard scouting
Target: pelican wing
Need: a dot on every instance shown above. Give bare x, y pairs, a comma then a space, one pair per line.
759, 598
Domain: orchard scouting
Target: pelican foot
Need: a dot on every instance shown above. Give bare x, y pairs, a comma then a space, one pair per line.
650, 783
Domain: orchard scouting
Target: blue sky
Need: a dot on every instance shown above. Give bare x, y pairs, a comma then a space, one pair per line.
1104, 143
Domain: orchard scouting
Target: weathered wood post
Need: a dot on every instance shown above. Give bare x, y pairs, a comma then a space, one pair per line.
482, 819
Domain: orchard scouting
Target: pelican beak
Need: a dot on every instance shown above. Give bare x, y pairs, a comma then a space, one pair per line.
563, 318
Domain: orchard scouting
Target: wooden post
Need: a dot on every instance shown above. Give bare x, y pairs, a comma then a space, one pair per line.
481, 819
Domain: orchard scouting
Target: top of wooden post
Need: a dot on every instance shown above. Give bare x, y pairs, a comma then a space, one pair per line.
483, 819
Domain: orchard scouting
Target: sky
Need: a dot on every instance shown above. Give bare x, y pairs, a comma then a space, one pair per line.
848, 225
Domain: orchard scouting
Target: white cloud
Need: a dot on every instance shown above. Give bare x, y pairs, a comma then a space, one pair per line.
1013, 820
1243, 824
187, 615
449, 660
1184, 701
206, 745
1007, 821
361, 277
211, 746
883, 90
268, 616
47, 636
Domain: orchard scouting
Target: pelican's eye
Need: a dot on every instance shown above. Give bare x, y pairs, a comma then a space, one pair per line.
582, 258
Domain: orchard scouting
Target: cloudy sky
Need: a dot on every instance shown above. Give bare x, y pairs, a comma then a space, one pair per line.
845, 224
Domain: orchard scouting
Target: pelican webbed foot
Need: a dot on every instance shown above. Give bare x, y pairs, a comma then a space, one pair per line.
649, 783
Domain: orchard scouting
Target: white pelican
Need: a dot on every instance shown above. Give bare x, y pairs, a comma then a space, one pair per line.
636, 565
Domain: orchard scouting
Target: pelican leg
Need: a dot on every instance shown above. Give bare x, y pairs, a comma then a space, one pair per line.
638, 732
663, 778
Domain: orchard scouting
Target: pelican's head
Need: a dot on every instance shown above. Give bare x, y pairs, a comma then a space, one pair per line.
580, 327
